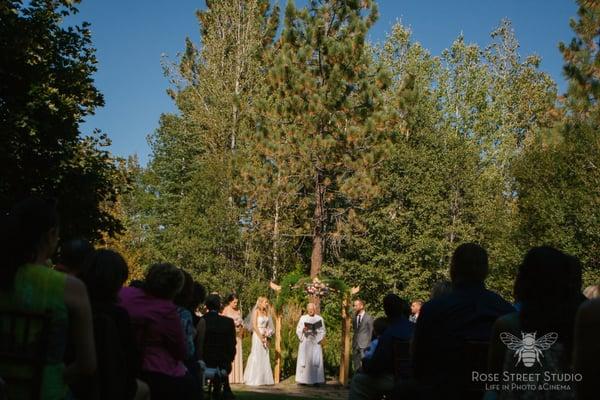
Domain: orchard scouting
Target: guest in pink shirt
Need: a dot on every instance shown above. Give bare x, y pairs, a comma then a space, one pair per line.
159, 333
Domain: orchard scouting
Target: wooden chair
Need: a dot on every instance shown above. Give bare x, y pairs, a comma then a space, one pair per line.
23, 348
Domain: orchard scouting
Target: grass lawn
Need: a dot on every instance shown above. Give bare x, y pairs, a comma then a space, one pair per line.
266, 396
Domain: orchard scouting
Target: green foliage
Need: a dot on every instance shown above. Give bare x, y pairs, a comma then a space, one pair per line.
370, 163
46, 89
459, 121
557, 174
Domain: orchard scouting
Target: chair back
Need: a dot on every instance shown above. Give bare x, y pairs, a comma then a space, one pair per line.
23, 347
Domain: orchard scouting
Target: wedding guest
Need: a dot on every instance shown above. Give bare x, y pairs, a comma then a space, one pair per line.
311, 332
377, 375
591, 292
29, 234
233, 311
362, 325
415, 309
379, 326
72, 255
549, 302
161, 336
219, 342
119, 363
182, 301
440, 288
587, 349
448, 322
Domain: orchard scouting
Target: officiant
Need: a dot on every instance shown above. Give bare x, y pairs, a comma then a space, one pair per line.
311, 332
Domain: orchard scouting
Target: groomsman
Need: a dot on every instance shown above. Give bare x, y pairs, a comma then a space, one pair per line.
362, 324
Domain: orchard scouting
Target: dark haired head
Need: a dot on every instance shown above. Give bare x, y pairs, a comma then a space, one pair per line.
137, 283
213, 302
28, 232
469, 264
163, 280
72, 255
394, 306
441, 288
544, 286
380, 325
231, 298
199, 296
104, 273
185, 296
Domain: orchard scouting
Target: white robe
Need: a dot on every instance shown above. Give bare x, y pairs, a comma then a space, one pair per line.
309, 367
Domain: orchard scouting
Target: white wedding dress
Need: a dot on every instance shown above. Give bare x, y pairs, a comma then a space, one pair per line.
258, 367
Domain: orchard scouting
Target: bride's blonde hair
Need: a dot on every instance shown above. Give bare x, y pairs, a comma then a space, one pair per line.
259, 302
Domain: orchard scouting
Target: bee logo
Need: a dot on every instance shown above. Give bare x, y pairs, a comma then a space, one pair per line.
528, 349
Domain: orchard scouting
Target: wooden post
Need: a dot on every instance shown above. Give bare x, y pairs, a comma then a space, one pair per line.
345, 357
277, 371
346, 324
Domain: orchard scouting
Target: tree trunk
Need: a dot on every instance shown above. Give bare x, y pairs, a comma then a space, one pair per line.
275, 256
316, 258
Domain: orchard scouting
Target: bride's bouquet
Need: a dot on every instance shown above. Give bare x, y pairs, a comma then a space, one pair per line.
267, 334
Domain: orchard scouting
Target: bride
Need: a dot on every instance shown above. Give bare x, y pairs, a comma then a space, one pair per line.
258, 367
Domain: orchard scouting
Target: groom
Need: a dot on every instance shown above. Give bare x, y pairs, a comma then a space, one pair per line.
362, 324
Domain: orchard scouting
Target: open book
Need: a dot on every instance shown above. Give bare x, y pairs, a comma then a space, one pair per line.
312, 328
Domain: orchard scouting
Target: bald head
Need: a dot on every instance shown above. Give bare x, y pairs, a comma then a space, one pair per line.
311, 309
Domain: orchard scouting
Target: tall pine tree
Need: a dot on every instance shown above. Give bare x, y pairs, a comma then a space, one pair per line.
322, 120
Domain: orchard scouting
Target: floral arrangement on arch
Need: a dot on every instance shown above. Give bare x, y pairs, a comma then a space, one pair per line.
317, 288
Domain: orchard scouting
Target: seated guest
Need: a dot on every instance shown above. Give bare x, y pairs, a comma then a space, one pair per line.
379, 326
549, 300
197, 301
72, 256
218, 341
186, 301
377, 375
448, 322
159, 333
440, 288
118, 361
29, 236
587, 349
182, 301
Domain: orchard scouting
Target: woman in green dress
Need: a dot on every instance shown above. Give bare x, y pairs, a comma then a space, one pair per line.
29, 237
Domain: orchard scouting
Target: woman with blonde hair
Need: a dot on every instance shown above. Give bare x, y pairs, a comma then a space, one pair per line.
258, 367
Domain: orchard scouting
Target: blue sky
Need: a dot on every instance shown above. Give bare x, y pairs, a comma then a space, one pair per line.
132, 36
